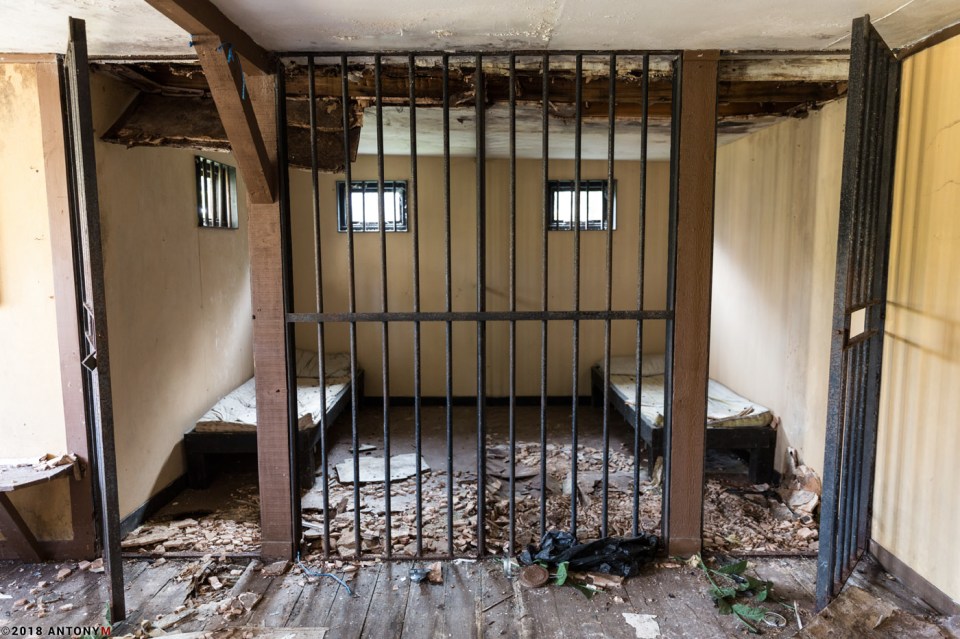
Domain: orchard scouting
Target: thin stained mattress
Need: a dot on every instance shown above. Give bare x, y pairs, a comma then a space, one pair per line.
237, 412
725, 408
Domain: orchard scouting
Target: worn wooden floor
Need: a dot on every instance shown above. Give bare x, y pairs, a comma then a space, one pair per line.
475, 600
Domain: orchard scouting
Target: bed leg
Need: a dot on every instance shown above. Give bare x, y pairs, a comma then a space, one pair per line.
307, 462
198, 472
596, 396
761, 464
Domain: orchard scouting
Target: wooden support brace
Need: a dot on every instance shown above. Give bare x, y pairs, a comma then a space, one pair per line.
16, 532
203, 18
227, 85
695, 194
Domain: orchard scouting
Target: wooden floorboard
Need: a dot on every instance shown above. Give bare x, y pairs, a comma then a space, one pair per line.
348, 613
474, 600
385, 617
278, 602
497, 610
313, 607
425, 615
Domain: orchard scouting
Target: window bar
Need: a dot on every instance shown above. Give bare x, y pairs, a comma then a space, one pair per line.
414, 221
611, 132
480, 111
511, 541
577, 148
385, 325
642, 232
849, 447
449, 296
218, 202
352, 301
201, 192
545, 300
318, 270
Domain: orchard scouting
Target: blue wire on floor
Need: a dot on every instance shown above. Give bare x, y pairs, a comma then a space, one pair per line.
314, 573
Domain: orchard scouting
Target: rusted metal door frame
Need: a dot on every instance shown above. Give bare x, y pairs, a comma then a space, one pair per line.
863, 248
92, 304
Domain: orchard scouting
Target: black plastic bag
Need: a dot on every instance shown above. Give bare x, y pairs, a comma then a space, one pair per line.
610, 555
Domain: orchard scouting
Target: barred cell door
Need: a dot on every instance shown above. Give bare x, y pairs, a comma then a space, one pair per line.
863, 247
91, 302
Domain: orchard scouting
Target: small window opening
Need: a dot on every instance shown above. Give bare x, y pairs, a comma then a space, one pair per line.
365, 206
216, 194
593, 205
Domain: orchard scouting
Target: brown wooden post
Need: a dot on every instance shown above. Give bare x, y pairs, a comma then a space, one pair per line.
246, 102
82, 546
695, 192
274, 454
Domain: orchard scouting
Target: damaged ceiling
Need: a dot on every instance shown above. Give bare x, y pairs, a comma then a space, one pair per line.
174, 107
133, 28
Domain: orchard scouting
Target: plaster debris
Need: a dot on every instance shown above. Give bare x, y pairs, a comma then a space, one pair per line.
373, 469
646, 626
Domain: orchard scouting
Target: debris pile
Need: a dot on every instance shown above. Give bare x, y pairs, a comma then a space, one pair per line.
527, 519
229, 532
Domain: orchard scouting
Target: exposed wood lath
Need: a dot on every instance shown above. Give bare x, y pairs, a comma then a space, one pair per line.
752, 93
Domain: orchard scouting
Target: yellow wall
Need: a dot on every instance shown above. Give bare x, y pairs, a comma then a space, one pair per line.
777, 206
916, 513
529, 214
31, 406
178, 302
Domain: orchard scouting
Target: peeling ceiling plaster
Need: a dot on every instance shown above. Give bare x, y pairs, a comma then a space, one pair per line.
132, 27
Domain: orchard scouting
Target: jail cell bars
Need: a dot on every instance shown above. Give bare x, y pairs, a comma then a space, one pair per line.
422, 89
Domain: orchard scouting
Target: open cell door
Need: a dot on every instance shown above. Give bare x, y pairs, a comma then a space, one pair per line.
91, 302
863, 247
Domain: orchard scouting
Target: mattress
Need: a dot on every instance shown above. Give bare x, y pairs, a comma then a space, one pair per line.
725, 408
237, 411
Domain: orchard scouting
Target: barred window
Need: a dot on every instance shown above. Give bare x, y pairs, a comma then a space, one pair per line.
593, 205
216, 194
365, 206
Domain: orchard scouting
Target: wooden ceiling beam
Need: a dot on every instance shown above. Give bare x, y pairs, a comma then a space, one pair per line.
236, 111
203, 18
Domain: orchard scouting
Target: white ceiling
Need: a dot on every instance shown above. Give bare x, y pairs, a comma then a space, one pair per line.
132, 27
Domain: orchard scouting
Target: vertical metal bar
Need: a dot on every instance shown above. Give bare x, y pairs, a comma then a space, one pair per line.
641, 252
871, 208
318, 273
845, 465
545, 295
480, 110
351, 300
448, 282
675, 119
608, 213
415, 222
511, 541
876, 315
384, 326
577, 146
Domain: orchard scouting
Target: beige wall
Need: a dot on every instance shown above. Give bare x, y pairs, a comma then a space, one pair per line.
529, 213
31, 406
777, 206
916, 509
178, 302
